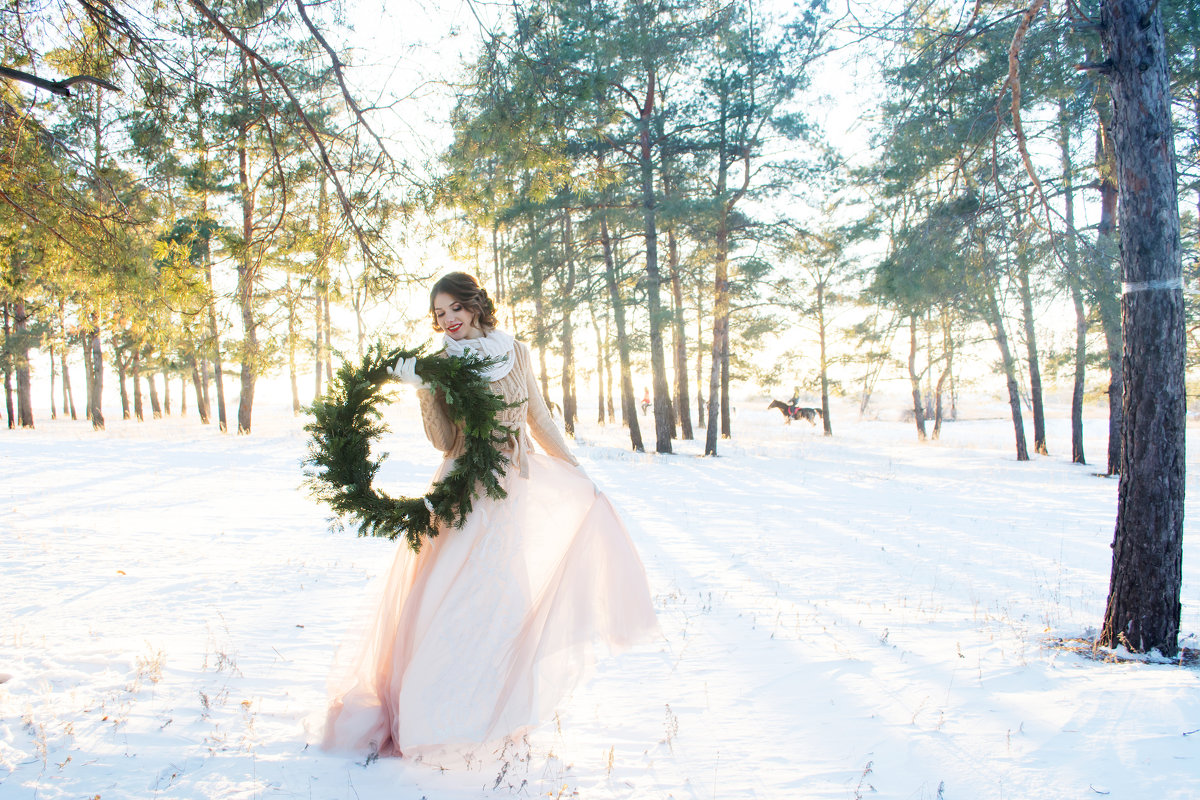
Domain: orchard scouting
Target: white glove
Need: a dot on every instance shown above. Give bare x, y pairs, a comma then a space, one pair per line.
405, 371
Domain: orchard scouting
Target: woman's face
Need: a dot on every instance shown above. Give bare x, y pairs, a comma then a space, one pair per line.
453, 318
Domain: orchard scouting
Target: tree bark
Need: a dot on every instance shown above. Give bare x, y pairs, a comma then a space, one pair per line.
537, 280
996, 320
1073, 284
24, 389
824, 365
218, 371
608, 370
53, 375
318, 343
1143, 610
914, 378
683, 405
328, 320
8, 390
628, 404
137, 384
124, 365
155, 405
68, 398
292, 334
701, 409
214, 334
720, 339
97, 361
570, 403
1035, 372
1105, 282
246, 280
726, 406
198, 384
85, 341
600, 352
947, 372
658, 361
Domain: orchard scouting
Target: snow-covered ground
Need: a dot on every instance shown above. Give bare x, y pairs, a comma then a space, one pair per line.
853, 617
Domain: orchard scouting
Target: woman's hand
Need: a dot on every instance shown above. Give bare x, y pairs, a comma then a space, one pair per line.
405, 371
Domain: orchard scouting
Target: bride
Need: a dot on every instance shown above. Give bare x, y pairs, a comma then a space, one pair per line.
481, 633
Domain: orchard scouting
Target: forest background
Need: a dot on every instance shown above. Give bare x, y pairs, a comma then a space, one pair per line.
235, 190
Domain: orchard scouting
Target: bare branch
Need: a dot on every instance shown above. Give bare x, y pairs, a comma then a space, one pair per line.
1014, 84
336, 63
314, 137
61, 88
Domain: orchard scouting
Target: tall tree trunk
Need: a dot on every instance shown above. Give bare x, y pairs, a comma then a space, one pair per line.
213, 333
683, 404
166, 400
215, 336
996, 321
328, 320
914, 378
358, 293
155, 406
1035, 372
53, 375
600, 352
68, 398
701, 408
826, 423
218, 370
1143, 610
720, 340
198, 384
496, 262
658, 361
85, 341
537, 280
608, 369
292, 335
628, 403
204, 381
96, 387
136, 365
318, 343
570, 404
947, 371
1073, 283
124, 366
1079, 375
246, 280
726, 406
1105, 279
8, 390
97, 357
24, 389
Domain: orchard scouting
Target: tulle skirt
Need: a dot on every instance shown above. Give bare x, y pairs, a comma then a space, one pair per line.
485, 630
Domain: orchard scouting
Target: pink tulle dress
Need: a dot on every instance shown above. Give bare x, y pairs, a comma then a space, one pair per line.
480, 634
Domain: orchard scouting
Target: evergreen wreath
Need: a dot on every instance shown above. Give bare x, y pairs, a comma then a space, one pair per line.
347, 420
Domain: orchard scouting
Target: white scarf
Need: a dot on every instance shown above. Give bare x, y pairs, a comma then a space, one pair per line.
493, 344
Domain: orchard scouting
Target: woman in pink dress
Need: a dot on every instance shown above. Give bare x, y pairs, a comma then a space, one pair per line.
480, 634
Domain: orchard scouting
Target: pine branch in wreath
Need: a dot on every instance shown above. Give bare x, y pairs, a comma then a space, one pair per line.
345, 422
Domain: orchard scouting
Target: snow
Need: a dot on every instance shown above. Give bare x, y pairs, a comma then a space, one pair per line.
856, 616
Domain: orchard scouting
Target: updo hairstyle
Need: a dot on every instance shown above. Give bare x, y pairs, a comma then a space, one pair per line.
464, 288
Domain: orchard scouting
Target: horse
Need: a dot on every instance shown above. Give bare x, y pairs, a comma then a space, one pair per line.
795, 412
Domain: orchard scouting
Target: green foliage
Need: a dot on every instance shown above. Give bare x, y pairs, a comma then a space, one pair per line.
347, 420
